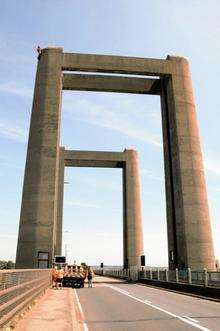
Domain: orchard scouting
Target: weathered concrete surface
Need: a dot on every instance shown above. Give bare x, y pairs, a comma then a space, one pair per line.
116, 64
188, 220
132, 220
101, 83
189, 230
58, 224
38, 210
55, 311
75, 158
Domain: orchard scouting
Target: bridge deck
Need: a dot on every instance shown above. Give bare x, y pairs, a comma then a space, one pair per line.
113, 304
53, 312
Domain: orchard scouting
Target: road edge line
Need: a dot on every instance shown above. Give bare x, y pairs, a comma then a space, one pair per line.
73, 312
84, 324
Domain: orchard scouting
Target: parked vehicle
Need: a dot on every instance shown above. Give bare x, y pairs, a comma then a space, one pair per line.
74, 276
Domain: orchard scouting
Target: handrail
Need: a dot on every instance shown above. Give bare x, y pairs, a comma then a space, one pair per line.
16, 287
187, 276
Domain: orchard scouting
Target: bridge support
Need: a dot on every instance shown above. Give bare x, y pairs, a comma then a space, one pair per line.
38, 210
132, 223
59, 220
188, 221
132, 220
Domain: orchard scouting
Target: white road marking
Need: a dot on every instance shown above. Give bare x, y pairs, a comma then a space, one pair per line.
123, 291
191, 319
161, 309
147, 301
117, 289
85, 326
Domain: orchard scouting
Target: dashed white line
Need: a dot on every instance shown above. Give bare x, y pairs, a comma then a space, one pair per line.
85, 326
185, 320
117, 289
191, 319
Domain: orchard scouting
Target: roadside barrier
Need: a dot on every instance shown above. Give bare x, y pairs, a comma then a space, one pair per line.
18, 288
201, 277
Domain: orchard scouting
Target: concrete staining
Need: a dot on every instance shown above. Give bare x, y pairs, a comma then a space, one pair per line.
188, 221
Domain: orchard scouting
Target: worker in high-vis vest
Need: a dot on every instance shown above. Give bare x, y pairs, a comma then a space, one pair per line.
60, 275
54, 277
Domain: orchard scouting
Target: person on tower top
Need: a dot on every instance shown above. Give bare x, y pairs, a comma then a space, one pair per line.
39, 50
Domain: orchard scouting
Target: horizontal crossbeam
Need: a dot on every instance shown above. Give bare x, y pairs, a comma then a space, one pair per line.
94, 159
104, 83
116, 64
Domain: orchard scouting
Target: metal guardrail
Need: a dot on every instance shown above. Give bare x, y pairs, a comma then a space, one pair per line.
18, 288
201, 277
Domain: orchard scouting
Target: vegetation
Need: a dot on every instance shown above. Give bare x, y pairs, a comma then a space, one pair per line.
7, 264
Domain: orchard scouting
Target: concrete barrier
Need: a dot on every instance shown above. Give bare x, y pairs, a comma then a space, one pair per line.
19, 288
208, 291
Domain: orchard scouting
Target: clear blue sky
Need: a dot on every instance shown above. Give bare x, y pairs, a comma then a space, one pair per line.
101, 121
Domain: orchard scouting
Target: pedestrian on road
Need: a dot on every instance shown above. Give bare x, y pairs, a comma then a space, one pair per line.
90, 275
54, 277
60, 278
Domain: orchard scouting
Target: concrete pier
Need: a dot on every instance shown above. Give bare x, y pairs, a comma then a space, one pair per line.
132, 220
38, 209
133, 232
188, 221
59, 219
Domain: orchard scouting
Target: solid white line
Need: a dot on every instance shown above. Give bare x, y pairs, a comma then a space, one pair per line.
147, 301
163, 310
191, 319
85, 326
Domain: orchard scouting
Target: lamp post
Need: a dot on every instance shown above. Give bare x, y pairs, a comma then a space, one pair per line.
66, 231
66, 245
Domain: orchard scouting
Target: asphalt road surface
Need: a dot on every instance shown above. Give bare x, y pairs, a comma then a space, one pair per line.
115, 305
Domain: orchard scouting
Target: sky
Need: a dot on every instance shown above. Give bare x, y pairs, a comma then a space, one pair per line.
106, 121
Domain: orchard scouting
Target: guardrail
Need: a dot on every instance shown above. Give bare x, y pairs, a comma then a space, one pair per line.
18, 288
202, 277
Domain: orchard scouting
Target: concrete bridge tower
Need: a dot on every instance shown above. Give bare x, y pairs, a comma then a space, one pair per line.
188, 221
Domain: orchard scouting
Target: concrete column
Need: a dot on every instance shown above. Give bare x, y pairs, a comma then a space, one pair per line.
177, 275
38, 210
189, 274
133, 235
169, 185
59, 220
205, 277
167, 275
158, 274
188, 220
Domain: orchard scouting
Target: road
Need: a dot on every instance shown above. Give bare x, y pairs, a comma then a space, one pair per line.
115, 305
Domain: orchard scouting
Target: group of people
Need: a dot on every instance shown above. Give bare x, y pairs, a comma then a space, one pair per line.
58, 274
